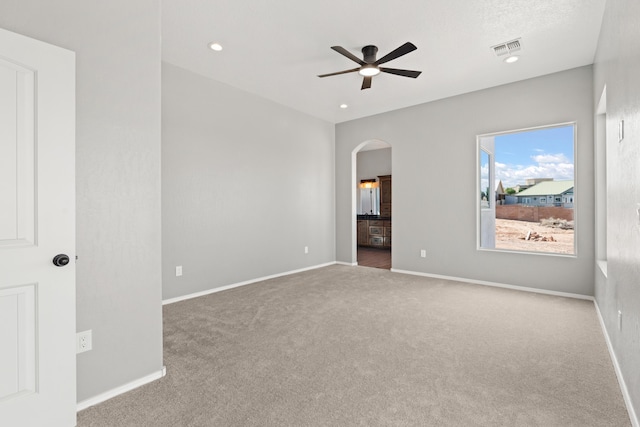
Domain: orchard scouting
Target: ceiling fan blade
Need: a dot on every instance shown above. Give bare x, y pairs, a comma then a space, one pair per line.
339, 72
402, 50
404, 73
348, 54
366, 83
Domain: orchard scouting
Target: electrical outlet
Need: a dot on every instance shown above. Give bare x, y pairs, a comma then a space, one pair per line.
83, 341
178, 270
423, 253
306, 249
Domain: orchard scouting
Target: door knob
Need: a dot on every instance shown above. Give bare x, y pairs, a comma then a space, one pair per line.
60, 260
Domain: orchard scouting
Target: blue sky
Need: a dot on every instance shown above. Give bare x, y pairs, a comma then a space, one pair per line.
540, 153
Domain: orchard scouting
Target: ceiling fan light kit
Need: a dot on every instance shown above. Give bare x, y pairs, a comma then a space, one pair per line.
370, 67
369, 71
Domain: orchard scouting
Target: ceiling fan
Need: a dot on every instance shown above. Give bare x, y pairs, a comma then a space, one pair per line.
370, 67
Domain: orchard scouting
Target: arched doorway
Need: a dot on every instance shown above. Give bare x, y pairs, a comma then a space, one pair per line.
371, 204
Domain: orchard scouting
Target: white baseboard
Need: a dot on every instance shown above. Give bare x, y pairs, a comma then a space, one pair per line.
350, 264
121, 389
497, 285
246, 282
623, 385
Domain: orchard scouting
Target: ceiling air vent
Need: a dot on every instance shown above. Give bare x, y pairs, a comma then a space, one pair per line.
507, 47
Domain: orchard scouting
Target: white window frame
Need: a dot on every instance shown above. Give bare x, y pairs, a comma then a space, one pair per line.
527, 200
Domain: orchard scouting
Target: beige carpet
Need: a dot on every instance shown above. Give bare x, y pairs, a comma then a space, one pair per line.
357, 346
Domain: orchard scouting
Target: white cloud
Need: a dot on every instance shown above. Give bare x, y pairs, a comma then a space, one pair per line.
550, 158
512, 175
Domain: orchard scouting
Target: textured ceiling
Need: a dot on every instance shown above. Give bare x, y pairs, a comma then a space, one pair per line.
276, 49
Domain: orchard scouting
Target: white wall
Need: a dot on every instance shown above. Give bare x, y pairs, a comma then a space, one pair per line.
434, 180
117, 45
373, 163
246, 185
617, 66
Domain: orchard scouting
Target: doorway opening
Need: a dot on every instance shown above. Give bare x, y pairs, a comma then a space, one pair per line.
371, 204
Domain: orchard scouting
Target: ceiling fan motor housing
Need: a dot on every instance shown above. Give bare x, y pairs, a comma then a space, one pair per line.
369, 54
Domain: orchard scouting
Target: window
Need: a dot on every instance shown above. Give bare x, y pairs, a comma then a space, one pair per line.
534, 171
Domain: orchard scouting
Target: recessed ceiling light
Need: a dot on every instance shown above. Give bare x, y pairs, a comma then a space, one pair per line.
511, 59
343, 106
215, 46
369, 71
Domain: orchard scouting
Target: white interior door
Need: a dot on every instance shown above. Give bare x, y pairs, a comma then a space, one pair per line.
37, 222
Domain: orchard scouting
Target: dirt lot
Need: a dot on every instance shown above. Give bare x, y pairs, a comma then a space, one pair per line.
510, 234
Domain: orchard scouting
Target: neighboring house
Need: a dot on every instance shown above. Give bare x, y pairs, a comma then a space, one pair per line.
500, 193
511, 199
535, 181
548, 193
530, 183
521, 187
